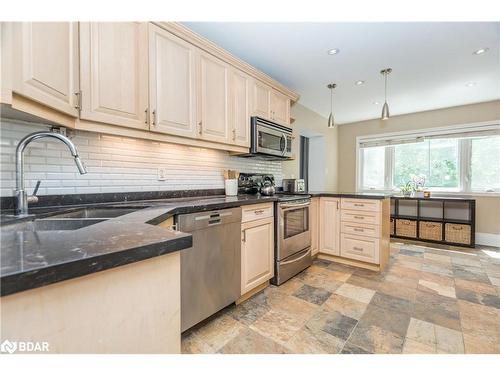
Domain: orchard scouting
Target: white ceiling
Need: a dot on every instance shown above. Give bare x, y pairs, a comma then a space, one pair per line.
431, 62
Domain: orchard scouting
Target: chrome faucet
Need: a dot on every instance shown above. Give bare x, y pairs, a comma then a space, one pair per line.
22, 198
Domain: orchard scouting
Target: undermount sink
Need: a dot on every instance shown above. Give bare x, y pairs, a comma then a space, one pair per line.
42, 225
101, 213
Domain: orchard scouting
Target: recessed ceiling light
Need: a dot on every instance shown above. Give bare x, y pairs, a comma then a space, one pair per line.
376, 103
333, 51
359, 83
480, 51
471, 84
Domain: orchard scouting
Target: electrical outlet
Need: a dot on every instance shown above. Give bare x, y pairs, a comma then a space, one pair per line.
162, 174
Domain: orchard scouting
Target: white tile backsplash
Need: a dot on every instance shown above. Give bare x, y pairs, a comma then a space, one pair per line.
116, 164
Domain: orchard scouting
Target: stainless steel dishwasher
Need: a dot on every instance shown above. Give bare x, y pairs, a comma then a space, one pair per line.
211, 269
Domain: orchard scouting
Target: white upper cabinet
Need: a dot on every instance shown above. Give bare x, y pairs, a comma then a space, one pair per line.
114, 73
172, 76
270, 104
279, 108
239, 117
261, 99
45, 64
213, 93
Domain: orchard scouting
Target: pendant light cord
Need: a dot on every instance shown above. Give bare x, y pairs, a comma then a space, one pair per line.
385, 75
331, 100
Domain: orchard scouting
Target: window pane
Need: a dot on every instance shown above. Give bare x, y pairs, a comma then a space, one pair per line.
436, 160
373, 167
485, 163
443, 169
410, 159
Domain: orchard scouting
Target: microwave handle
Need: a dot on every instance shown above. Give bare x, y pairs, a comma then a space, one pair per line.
286, 143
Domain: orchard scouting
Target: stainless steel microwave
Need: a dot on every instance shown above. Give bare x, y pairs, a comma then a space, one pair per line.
269, 140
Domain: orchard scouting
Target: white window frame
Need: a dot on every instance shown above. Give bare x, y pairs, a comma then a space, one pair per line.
464, 156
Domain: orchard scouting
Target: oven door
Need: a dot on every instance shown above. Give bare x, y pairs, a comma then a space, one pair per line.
294, 233
273, 141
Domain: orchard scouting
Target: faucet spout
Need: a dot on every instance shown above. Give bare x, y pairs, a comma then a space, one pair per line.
21, 196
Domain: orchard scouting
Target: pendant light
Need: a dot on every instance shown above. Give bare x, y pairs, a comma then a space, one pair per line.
331, 120
385, 108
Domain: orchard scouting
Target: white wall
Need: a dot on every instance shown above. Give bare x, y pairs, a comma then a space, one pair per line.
116, 164
310, 123
317, 163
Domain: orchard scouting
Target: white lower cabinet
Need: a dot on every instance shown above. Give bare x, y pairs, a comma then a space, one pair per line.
353, 230
257, 253
329, 226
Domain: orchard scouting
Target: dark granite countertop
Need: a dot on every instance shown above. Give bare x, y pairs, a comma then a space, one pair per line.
345, 194
33, 258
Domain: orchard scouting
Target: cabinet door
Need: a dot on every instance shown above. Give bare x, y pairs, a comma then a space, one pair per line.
239, 118
114, 73
261, 100
172, 76
45, 64
257, 253
314, 225
329, 233
213, 99
280, 108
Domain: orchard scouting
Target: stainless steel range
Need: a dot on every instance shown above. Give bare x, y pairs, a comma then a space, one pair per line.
293, 237
292, 250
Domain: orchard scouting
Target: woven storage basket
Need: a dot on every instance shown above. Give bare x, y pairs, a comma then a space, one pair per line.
430, 231
457, 233
406, 228
392, 226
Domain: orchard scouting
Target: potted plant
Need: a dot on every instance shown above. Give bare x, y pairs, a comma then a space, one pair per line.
407, 189
418, 183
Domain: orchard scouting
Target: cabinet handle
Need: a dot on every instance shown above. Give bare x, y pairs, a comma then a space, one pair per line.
357, 248
359, 217
358, 230
259, 212
200, 125
234, 134
146, 111
359, 205
78, 104
244, 233
154, 117
337, 205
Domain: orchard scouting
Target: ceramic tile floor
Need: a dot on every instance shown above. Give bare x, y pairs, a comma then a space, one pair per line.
428, 300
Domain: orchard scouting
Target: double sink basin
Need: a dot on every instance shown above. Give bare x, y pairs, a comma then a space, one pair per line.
78, 218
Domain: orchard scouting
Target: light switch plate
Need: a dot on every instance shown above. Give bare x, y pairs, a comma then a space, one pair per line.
162, 174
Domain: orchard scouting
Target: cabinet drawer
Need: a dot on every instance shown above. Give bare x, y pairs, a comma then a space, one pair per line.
361, 248
360, 217
256, 212
360, 204
361, 229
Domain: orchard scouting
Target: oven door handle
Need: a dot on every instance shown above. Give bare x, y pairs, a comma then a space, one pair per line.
297, 259
285, 206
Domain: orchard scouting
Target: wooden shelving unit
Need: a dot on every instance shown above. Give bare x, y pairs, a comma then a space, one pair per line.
442, 220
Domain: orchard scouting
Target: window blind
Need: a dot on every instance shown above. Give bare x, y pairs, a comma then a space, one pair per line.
477, 132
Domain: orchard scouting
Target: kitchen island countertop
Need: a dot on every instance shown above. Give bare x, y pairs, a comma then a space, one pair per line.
33, 258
